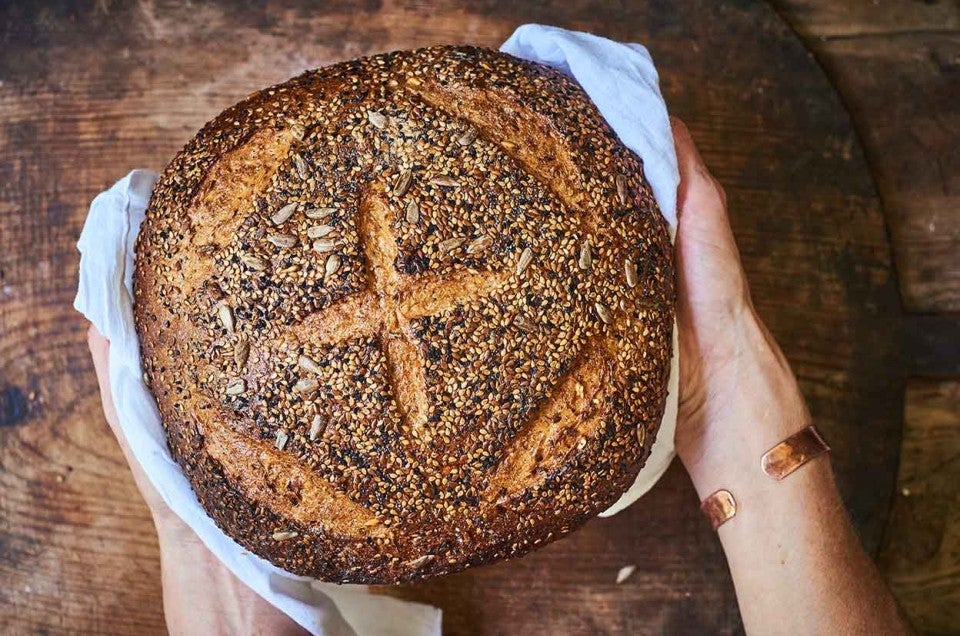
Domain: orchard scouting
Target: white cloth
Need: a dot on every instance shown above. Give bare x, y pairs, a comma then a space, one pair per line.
611, 73
623, 83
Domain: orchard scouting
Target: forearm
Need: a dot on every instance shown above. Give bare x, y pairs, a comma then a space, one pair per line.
200, 596
796, 563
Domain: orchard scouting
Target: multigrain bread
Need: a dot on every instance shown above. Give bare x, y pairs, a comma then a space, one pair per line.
406, 314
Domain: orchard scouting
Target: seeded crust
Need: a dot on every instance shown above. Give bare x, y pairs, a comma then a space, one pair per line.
406, 314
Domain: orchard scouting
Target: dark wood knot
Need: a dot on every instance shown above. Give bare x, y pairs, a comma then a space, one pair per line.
14, 407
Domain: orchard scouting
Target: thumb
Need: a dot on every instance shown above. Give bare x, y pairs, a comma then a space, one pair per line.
100, 351
698, 194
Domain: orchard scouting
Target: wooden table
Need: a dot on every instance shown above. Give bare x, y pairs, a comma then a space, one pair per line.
89, 92
896, 64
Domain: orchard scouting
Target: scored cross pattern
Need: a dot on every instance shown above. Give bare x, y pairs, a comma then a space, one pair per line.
387, 307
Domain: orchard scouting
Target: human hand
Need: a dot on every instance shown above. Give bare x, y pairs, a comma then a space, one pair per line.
794, 557
200, 596
738, 396
163, 518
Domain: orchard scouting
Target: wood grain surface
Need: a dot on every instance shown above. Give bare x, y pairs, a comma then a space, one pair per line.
921, 549
90, 90
896, 64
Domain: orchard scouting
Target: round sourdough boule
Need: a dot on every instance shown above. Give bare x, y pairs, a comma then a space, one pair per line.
406, 314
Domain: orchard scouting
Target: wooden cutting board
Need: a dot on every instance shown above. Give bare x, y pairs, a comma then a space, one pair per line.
88, 92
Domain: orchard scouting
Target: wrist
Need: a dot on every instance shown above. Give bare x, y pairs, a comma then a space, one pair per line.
747, 402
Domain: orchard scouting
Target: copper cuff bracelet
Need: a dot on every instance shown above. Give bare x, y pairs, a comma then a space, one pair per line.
793, 452
777, 463
719, 508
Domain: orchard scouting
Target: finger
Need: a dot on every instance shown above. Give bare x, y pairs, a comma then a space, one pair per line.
698, 191
688, 156
706, 247
100, 351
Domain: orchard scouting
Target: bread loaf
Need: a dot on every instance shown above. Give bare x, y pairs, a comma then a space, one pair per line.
406, 314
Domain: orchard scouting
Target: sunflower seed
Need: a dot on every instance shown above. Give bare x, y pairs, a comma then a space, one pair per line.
480, 244
445, 181
402, 184
306, 386
419, 562
526, 256
603, 312
284, 213
303, 169
413, 212
450, 244
236, 386
377, 119
509, 145
316, 427
642, 434
253, 262
630, 271
331, 266
307, 364
297, 131
586, 257
621, 182
318, 213
413, 81
281, 440
319, 231
468, 137
282, 240
324, 245
241, 351
281, 535
625, 573
226, 317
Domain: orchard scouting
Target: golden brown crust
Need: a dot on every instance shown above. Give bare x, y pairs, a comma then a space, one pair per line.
385, 310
